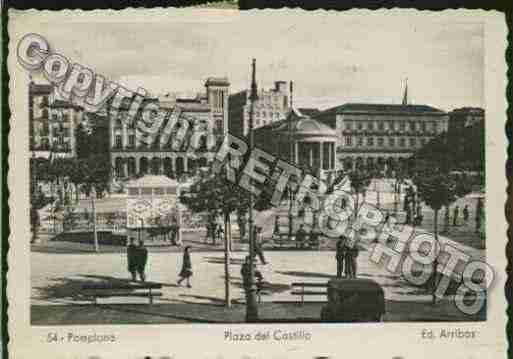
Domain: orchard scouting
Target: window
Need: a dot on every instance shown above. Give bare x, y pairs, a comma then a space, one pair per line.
391, 141
131, 140
370, 126
349, 141
391, 125
381, 126
54, 117
66, 132
370, 141
381, 141
360, 141
411, 125
402, 142
119, 141
423, 141
170, 190
146, 191
423, 126
360, 126
413, 142
435, 127
45, 113
349, 126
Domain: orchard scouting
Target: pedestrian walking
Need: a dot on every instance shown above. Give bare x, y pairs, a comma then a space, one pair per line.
186, 271
257, 232
141, 260
131, 256
466, 214
456, 215
340, 255
219, 232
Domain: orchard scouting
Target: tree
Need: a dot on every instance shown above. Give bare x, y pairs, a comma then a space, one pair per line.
360, 180
439, 189
215, 194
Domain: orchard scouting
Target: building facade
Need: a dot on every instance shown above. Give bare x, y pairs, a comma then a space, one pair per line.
272, 105
465, 117
302, 141
382, 136
52, 122
130, 156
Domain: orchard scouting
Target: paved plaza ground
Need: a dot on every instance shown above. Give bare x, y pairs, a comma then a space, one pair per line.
59, 269
57, 296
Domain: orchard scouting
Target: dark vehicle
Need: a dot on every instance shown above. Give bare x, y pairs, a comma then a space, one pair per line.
354, 300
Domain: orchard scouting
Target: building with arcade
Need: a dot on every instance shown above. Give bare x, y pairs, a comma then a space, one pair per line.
130, 156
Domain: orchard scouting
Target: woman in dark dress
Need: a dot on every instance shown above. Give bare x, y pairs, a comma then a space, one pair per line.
186, 271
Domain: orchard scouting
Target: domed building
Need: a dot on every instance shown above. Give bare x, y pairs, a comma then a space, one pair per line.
302, 141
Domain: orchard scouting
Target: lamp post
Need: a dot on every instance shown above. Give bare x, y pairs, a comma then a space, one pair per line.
251, 302
95, 232
291, 158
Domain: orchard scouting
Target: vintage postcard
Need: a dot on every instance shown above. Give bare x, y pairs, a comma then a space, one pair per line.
215, 183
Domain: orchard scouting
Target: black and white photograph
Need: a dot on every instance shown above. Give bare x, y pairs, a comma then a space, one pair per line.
265, 167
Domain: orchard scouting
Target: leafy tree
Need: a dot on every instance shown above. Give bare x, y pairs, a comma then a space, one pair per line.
215, 194
360, 180
440, 189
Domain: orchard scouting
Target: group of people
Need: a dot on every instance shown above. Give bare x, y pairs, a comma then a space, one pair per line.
137, 258
346, 255
412, 207
466, 215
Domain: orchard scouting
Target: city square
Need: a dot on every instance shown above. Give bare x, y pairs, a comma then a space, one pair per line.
223, 197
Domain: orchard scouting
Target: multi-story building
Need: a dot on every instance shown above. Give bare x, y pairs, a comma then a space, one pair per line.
131, 156
382, 135
465, 117
52, 122
272, 105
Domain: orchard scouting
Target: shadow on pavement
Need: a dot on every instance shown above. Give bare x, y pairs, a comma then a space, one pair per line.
306, 274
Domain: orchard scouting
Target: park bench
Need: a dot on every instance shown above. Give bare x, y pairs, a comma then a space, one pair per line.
302, 289
105, 290
282, 238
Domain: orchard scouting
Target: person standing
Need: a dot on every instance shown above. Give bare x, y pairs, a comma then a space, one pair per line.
258, 244
456, 215
186, 271
142, 259
352, 259
479, 213
300, 236
131, 256
340, 255
466, 214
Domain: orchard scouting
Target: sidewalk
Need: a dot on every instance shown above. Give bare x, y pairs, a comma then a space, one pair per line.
207, 313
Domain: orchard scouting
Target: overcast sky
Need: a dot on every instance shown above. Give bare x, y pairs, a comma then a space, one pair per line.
332, 58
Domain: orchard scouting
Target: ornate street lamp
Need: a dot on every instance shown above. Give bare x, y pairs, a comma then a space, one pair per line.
251, 302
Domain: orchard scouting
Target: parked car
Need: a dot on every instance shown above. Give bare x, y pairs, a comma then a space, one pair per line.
354, 300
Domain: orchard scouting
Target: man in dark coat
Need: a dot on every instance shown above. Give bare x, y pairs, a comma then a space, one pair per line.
142, 259
300, 237
340, 255
131, 255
